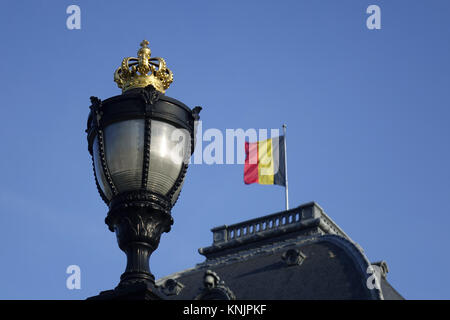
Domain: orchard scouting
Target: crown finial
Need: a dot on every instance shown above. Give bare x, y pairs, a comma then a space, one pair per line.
143, 71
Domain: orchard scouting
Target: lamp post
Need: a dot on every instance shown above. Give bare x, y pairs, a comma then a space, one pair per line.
140, 143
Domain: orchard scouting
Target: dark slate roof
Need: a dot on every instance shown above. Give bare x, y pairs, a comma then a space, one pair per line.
296, 254
389, 293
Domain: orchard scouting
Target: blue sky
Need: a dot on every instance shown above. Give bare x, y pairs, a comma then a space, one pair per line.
367, 114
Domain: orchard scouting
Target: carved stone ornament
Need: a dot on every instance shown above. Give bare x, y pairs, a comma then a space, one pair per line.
172, 287
214, 288
293, 257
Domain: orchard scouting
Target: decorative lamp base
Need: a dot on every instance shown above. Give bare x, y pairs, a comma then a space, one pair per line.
138, 219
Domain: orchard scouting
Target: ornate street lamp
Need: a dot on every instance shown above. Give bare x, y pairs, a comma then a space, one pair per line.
140, 143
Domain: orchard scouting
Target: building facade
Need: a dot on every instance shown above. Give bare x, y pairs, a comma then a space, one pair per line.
296, 254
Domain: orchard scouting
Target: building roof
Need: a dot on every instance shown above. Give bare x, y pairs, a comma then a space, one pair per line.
296, 254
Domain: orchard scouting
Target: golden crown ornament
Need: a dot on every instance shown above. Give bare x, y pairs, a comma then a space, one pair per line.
143, 71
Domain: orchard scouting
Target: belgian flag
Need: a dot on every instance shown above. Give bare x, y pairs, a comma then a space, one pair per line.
265, 162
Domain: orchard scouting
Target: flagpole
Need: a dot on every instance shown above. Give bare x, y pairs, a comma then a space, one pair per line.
286, 168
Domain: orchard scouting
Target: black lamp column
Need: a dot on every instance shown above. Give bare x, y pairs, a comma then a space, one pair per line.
140, 143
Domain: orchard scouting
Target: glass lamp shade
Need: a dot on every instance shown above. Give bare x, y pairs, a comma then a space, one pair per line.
124, 154
140, 143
